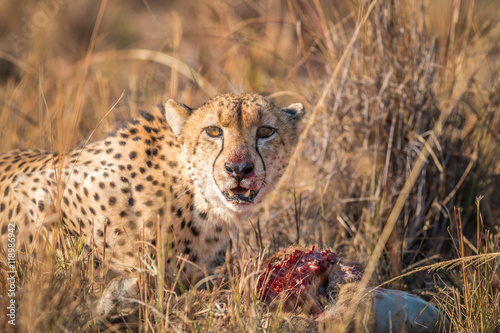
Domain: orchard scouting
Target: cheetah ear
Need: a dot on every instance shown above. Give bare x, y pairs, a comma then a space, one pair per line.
176, 114
294, 111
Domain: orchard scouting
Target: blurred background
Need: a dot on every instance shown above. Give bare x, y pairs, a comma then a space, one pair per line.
376, 91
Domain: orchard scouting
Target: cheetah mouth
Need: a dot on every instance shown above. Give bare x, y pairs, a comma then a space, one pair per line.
239, 195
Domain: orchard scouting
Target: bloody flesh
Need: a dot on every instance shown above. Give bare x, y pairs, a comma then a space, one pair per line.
305, 279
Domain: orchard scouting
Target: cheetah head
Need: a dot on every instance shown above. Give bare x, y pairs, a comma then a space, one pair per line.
235, 147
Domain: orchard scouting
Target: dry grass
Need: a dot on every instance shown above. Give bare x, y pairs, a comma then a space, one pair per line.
402, 126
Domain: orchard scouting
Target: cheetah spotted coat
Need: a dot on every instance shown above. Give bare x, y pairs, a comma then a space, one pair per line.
193, 173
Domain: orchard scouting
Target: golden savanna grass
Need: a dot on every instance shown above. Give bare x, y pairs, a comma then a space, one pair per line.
397, 168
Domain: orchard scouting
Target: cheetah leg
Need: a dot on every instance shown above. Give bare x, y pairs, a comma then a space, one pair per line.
99, 204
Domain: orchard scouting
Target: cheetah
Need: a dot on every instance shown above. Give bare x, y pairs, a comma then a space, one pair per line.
201, 171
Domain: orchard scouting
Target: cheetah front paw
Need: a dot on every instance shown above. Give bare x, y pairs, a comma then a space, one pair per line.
119, 298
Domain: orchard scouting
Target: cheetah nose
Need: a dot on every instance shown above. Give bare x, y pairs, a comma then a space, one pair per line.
239, 171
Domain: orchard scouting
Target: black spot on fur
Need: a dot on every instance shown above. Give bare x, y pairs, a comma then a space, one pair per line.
210, 240
195, 231
146, 115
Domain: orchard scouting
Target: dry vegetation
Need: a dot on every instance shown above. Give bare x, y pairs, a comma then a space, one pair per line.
401, 139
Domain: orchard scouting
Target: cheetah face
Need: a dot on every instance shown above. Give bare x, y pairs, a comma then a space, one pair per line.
235, 147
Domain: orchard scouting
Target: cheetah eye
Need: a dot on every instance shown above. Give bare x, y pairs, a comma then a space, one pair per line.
265, 132
213, 131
